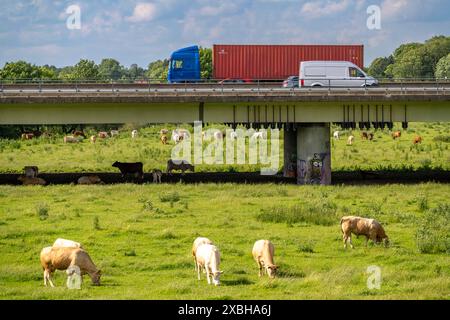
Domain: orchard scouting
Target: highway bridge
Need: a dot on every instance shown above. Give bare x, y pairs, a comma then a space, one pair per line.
304, 114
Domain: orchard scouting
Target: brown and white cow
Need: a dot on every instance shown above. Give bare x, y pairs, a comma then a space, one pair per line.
370, 228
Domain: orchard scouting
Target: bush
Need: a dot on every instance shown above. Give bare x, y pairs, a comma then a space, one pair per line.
307, 247
323, 213
169, 197
422, 203
433, 233
42, 211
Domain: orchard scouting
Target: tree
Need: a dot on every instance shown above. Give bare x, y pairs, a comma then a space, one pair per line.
134, 72
83, 70
205, 63
409, 65
443, 68
24, 70
110, 69
158, 69
378, 67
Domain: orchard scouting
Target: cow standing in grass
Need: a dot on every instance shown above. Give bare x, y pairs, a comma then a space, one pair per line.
208, 258
263, 252
134, 168
369, 228
197, 242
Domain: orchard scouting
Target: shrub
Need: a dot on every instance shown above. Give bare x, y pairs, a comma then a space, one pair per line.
169, 197
96, 223
130, 253
433, 232
307, 247
442, 138
42, 211
422, 203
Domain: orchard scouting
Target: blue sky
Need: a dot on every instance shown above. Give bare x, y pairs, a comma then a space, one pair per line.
142, 31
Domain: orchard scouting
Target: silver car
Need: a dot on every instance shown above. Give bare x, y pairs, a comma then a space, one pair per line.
291, 82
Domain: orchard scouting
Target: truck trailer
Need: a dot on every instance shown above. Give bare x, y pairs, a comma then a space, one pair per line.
257, 62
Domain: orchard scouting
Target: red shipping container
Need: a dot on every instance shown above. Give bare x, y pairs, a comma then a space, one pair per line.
276, 62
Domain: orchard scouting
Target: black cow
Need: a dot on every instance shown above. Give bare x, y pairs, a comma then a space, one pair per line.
135, 168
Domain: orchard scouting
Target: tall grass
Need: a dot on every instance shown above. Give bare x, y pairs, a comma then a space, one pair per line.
433, 233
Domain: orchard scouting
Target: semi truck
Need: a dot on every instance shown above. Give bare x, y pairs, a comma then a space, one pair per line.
257, 62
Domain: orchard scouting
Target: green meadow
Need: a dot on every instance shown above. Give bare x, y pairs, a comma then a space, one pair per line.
140, 236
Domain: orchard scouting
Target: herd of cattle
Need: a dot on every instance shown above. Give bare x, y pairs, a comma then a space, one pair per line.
64, 254
370, 136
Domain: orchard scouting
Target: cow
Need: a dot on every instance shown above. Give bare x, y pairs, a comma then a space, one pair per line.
77, 133
70, 139
336, 135
370, 136
163, 131
182, 165
396, 134
62, 258
93, 139
60, 242
31, 181
114, 133
135, 168
31, 171
89, 180
163, 139
103, 135
208, 259
218, 135
27, 136
197, 242
364, 135
134, 134
263, 251
157, 174
370, 228
350, 140
417, 139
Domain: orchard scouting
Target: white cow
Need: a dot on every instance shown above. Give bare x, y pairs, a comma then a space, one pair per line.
336, 135
60, 242
114, 133
263, 251
197, 242
350, 140
218, 135
208, 258
134, 134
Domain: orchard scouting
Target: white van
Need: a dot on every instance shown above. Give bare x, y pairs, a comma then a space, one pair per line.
334, 74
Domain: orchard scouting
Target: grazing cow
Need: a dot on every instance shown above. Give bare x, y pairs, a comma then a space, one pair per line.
336, 135
31, 181
197, 242
27, 136
417, 139
60, 242
114, 133
371, 136
350, 140
61, 258
157, 174
103, 135
135, 168
134, 134
208, 259
364, 135
163, 131
263, 251
31, 171
182, 165
175, 137
70, 139
396, 134
93, 139
370, 228
89, 180
77, 133
163, 139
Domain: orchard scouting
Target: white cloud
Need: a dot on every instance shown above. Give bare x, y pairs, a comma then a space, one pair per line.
393, 8
143, 12
317, 9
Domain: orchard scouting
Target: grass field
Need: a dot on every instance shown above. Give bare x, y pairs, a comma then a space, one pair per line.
52, 155
141, 237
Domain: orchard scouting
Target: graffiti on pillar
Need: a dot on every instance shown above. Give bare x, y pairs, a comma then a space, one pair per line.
316, 164
325, 173
302, 170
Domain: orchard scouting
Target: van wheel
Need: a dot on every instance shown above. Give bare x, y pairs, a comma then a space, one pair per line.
317, 85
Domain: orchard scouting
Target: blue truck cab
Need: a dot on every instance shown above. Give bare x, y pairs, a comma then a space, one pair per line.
184, 65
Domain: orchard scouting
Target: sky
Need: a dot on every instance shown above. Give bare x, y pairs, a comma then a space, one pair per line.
143, 31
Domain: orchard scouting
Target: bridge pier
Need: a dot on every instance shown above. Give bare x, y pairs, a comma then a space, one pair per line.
313, 154
290, 153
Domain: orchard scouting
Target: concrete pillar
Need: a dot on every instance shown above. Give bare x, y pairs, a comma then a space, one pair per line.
313, 154
290, 153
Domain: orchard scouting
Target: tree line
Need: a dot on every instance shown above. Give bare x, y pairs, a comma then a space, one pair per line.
108, 69
415, 60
